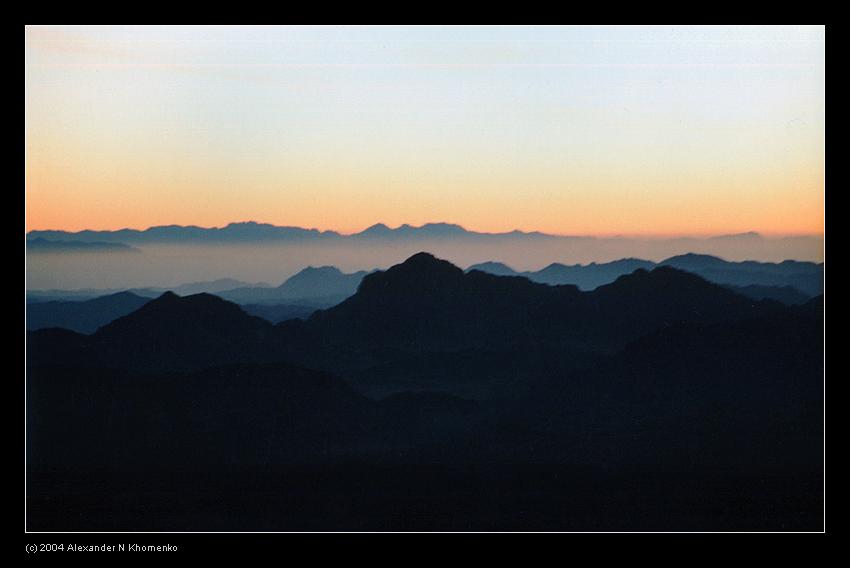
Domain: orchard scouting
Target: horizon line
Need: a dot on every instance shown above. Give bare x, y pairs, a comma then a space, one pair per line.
611, 235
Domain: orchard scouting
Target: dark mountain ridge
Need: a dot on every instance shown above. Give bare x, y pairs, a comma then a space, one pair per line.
754, 279
806, 277
660, 401
167, 333
426, 303
251, 231
787, 295
421, 305
82, 316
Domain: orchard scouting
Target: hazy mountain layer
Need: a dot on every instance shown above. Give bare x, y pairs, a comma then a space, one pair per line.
82, 316
323, 286
265, 253
436, 399
754, 279
42, 245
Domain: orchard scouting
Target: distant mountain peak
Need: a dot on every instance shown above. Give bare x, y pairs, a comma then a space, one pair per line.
427, 261
319, 282
696, 255
406, 230
422, 271
376, 229
693, 260
170, 314
493, 267
174, 303
443, 225
661, 278
320, 270
426, 301
440, 230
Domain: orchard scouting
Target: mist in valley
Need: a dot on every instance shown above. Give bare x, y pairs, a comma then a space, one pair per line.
164, 265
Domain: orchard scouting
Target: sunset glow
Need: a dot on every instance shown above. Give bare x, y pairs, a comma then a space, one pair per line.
601, 131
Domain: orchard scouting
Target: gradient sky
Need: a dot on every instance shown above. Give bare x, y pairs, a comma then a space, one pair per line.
567, 130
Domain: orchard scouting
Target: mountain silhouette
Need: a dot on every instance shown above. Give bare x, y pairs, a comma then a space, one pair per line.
428, 230
427, 303
376, 230
211, 287
495, 268
693, 261
422, 305
168, 333
807, 277
251, 231
201, 313
588, 277
421, 302
754, 279
788, 295
323, 286
276, 313
324, 281
82, 316
234, 232
444, 398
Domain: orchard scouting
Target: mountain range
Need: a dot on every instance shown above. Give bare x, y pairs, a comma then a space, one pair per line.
323, 285
327, 285
82, 316
253, 232
299, 296
316, 288
211, 287
440, 399
804, 277
585, 276
424, 305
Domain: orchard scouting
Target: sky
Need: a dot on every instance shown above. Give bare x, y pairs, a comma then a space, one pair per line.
568, 130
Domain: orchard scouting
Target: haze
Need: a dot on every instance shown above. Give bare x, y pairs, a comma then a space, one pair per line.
170, 265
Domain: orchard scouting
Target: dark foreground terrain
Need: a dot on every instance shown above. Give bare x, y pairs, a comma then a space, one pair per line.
434, 399
359, 497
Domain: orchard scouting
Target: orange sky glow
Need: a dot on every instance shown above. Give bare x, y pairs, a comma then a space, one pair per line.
593, 131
